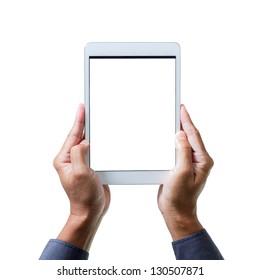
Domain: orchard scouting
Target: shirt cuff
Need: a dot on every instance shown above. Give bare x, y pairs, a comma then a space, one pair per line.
60, 250
197, 246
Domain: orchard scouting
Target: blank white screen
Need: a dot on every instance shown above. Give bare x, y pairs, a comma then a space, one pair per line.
132, 113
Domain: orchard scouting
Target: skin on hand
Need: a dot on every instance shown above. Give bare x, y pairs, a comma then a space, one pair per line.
177, 198
89, 200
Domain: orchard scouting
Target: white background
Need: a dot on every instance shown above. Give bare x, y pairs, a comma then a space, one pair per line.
41, 84
132, 113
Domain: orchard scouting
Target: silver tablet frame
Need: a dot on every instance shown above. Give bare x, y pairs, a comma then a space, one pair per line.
132, 177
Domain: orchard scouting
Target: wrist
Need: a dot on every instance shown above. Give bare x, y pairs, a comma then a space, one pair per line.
180, 225
82, 222
80, 230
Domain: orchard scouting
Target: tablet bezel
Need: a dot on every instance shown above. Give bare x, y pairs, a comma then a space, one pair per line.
131, 177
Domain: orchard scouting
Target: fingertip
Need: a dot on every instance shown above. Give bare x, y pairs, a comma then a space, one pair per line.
84, 147
80, 115
183, 107
84, 142
185, 116
182, 140
81, 106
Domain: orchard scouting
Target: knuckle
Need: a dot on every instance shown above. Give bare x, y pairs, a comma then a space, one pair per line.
211, 162
79, 173
55, 163
191, 129
91, 175
78, 177
184, 147
83, 173
207, 164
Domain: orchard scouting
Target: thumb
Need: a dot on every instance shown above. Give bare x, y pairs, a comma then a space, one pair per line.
183, 152
78, 155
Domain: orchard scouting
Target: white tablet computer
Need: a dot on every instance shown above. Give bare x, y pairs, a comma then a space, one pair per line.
132, 98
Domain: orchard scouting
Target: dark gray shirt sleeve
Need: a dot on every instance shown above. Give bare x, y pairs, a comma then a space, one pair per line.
197, 246
60, 250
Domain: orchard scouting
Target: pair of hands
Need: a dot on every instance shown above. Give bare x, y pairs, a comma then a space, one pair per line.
89, 200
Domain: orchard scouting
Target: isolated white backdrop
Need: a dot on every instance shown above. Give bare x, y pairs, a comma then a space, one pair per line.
41, 85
